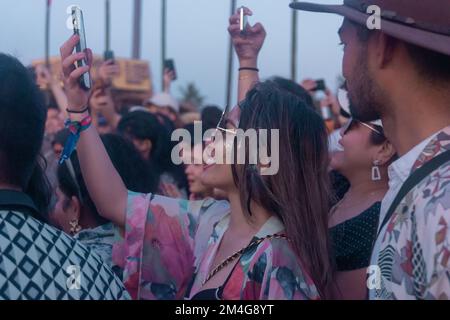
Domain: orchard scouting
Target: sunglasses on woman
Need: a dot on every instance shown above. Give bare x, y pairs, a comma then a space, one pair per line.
221, 126
352, 122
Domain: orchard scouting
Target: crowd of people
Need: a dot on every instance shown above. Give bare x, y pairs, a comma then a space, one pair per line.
358, 209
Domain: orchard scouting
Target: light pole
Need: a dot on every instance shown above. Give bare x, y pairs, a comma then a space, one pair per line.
137, 29
163, 38
47, 33
107, 25
294, 45
230, 62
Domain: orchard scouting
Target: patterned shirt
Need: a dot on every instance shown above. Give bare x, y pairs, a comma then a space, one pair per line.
101, 240
39, 262
412, 251
169, 246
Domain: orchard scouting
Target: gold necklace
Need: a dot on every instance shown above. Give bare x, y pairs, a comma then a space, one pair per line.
239, 253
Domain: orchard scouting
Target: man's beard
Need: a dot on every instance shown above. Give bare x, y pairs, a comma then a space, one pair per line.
364, 95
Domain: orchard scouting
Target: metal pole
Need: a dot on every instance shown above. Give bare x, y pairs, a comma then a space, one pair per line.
137, 29
163, 38
107, 25
230, 62
47, 34
294, 45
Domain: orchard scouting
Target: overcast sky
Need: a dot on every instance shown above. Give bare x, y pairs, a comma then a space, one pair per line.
197, 37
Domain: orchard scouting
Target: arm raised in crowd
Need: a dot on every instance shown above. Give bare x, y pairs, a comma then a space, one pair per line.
168, 78
247, 47
102, 102
102, 179
55, 86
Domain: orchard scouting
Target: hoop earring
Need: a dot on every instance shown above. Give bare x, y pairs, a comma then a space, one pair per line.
376, 174
74, 227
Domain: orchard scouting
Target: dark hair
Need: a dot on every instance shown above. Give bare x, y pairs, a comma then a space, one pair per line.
299, 194
165, 121
378, 139
39, 189
144, 125
432, 65
210, 117
137, 175
22, 125
141, 125
133, 170
294, 88
339, 186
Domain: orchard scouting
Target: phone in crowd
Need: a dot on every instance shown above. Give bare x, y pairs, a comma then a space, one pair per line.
320, 85
243, 24
109, 55
78, 29
169, 64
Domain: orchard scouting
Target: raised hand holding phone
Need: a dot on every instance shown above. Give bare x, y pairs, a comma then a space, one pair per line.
169, 65
247, 47
108, 55
107, 71
320, 85
243, 23
77, 96
76, 66
94, 160
78, 29
248, 44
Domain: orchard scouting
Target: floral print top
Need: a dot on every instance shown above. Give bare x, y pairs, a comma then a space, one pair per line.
412, 256
168, 246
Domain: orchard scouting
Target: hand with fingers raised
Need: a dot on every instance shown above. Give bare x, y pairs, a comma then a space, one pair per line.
44, 77
309, 85
107, 71
247, 45
77, 96
169, 76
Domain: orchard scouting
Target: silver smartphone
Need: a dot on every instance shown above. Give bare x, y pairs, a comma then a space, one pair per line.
78, 29
243, 21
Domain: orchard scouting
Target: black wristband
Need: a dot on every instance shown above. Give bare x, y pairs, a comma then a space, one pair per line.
249, 69
78, 112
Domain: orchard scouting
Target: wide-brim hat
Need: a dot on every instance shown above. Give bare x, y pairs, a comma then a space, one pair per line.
425, 23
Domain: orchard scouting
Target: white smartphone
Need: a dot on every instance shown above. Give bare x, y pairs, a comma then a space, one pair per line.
78, 29
243, 20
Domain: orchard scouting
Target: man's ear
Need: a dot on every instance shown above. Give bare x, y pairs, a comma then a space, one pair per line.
385, 153
384, 48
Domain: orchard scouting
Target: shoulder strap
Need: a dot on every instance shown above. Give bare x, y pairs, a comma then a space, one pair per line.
413, 180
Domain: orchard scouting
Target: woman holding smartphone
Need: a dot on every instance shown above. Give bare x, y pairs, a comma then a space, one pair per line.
269, 241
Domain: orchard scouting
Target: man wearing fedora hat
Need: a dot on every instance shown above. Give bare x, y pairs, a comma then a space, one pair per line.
400, 72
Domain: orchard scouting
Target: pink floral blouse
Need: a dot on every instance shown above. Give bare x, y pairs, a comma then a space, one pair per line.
169, 245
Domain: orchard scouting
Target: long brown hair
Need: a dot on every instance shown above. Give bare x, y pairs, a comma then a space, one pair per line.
299, 194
